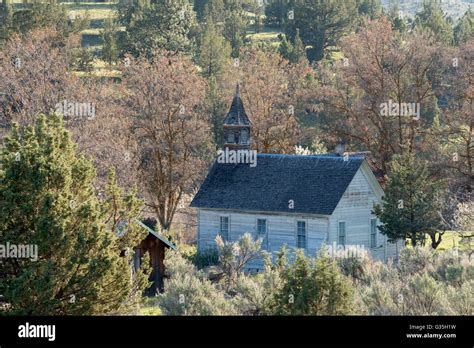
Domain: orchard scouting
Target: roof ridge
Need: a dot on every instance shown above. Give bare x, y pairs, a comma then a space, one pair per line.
332, 156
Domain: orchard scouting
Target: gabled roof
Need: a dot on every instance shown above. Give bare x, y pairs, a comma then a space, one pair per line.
156, 234
237, 115
314, 183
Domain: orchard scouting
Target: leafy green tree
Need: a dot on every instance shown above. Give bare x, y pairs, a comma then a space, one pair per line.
313, 287
6, 19
369, 8
294, 52
216, 10
214, 51
234, 31
129, 11
275, 13
398, 22
464, 29
298, 53
47, 14
83, 59
48, 201
216, 107
200, 8
109, 36
432, 18
321, 23
164, 24
411, 205
285, 48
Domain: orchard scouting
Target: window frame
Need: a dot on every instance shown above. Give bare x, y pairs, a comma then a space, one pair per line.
339, 232
227, 237
264, 236
231, 137
244, 140
374, 244
305, 234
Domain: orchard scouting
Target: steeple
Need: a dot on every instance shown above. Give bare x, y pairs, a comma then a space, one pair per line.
237, 125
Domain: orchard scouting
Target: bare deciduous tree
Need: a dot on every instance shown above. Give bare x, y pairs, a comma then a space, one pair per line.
380, 66
271, 89
163, 98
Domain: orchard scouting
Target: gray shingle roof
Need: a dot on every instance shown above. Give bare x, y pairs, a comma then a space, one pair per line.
237, 115
314, 183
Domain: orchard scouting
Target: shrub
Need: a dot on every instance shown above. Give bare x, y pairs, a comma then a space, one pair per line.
425, 282
424, 296
353, 267
233, 256
378, 299
187, 292
314, 287
189, 295
461, 300
255, 293
415, 260
205, 258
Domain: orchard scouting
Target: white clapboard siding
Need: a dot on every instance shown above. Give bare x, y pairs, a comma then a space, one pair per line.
281, 229
354, 208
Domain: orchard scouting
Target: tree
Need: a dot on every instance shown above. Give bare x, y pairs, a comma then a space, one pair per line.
216, 107
275, 13
298, 53
164, 24
216, 10
411, 204
110, 48
130, 11
188, 292
234, 30
48, 201
6, 20
321, 23
398, 22
200, 8
214, 52
464, 220
49, 14
233, 256
432, 18
381, 67
313, 287
164, 98
271, 91
36, 77
35, 73
464, 29
369, 8
83, 60
454, 135
285, 48
294, 53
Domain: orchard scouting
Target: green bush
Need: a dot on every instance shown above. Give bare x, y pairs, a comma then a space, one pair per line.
314, 287
425, 282
187, 292
205, 258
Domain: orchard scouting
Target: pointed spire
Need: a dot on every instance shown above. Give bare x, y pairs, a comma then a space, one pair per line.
237, 114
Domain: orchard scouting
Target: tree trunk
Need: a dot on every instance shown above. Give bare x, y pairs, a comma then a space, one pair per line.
435, 242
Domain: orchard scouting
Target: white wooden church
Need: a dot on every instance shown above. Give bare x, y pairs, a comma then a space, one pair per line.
302, 201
